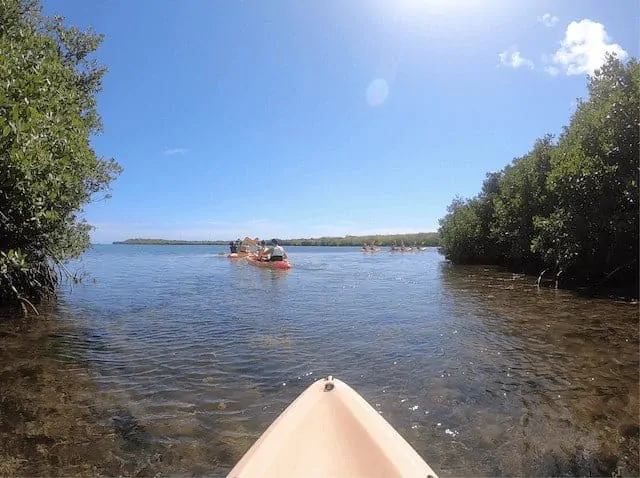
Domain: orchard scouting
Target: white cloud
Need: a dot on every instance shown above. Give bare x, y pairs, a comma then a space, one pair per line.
548, 20
583, 49
513, 58
172, 151
552, 70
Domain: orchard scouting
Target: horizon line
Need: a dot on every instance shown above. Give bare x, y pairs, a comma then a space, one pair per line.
280, 239
288, 238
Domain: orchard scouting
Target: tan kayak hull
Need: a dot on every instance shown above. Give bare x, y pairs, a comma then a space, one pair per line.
331, 431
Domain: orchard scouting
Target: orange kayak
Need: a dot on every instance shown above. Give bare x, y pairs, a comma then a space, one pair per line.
271, 265
331, 431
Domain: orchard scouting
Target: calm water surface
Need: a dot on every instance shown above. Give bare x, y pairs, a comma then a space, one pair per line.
480, 371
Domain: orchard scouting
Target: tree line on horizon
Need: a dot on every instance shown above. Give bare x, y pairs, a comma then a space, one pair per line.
424, 239
569, 206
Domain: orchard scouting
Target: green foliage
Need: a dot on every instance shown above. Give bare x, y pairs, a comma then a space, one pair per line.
520, 197
48, 169
571, 205
461, 231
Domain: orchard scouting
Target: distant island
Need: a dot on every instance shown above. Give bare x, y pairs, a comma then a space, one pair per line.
422, 238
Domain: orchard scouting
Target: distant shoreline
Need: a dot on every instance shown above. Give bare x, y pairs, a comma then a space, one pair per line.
422, 239
168, 242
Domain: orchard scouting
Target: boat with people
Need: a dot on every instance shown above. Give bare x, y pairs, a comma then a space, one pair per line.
328, 431
370, 248
403, 248
272, 256
241, 249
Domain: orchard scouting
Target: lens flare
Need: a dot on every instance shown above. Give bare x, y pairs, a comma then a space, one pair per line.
377, 92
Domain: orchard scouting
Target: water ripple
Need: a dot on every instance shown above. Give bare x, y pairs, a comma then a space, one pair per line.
481, 372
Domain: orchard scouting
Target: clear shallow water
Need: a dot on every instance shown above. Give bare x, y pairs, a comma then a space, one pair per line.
481, 372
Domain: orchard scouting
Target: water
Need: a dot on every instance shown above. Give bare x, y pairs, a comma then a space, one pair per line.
190, 356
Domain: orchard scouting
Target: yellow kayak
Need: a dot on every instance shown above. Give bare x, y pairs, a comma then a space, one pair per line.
331, 431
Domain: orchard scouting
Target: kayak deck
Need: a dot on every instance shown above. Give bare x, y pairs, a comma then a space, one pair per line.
331, 431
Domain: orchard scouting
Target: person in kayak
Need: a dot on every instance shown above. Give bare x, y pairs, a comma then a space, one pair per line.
275, 252
263, 250
233, 247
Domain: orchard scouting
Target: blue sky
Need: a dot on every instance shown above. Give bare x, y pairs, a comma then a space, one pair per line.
328, 117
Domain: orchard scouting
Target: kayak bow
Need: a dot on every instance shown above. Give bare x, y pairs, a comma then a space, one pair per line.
331, 431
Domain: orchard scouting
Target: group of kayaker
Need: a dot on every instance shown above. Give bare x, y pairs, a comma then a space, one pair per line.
402, 248
272, 252
394, 248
